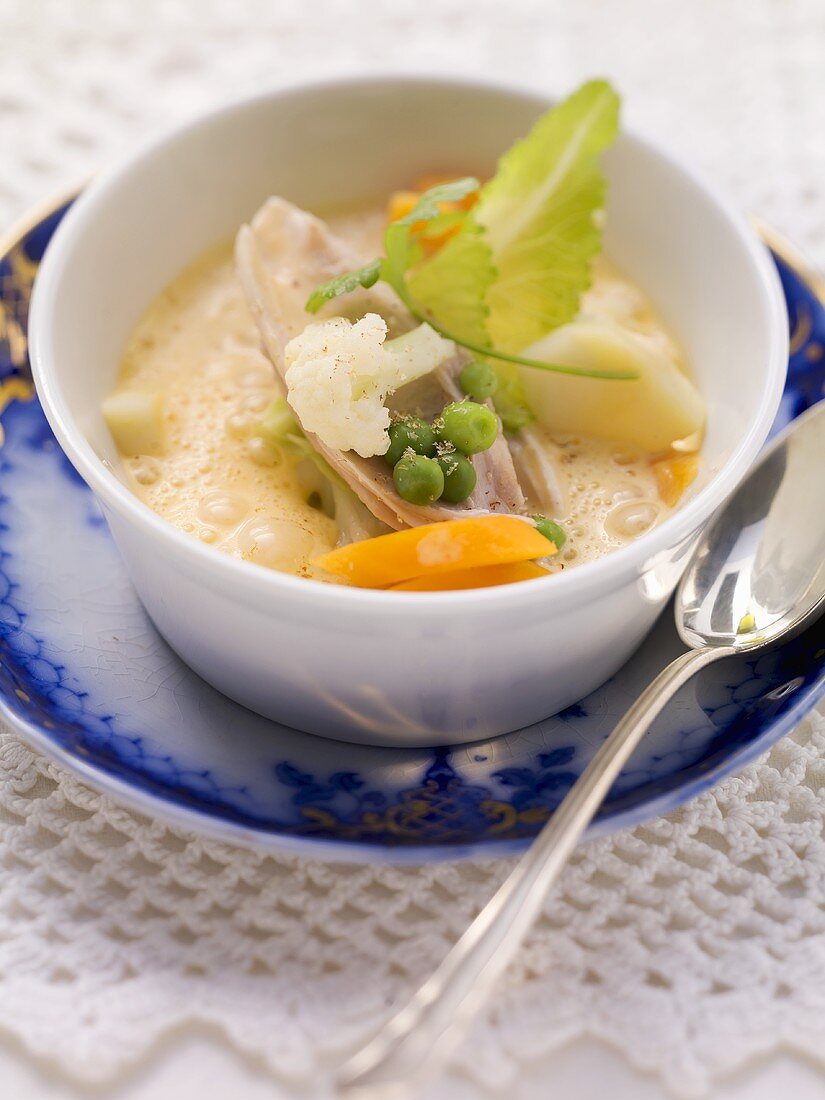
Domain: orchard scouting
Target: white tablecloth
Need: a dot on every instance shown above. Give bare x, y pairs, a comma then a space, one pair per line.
690, 946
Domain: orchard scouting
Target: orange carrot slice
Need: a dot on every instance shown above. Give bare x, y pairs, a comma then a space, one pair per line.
673, 475
437, 548
434, 179
400, 204
482, 576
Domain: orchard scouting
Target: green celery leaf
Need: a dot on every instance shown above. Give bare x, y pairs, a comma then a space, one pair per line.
427, 206
437, 227
401, 251
365, 276
402, 247
540, 213
451, 286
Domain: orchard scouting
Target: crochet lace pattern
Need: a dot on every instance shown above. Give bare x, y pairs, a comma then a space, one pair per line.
692, 943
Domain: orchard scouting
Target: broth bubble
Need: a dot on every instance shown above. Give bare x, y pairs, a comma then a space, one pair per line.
276, 543
255, 402
262, 452
222, 507
146, 469
253, 376
238, 426
631, 519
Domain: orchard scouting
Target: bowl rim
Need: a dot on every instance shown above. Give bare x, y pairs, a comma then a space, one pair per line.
254, 582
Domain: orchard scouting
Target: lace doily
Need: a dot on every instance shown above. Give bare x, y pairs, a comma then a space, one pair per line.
692, 943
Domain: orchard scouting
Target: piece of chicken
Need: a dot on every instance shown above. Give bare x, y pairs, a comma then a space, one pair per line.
281, 257
537, 468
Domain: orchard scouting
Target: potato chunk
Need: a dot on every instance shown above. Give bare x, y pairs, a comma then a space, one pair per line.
651, 412
135, 419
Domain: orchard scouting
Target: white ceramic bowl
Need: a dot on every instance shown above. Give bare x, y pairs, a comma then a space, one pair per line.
375, 666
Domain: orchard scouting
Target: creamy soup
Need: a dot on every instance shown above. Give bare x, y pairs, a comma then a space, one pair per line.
218, 480
215, 479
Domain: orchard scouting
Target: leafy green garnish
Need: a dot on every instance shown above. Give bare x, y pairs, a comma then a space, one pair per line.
402, 248
440, 226
428, 206
518, 265
540, 210
365, 276
452, 285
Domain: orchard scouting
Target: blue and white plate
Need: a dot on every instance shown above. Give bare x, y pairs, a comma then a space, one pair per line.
85, 678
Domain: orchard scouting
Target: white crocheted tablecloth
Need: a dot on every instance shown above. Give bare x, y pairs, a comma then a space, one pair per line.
693, 943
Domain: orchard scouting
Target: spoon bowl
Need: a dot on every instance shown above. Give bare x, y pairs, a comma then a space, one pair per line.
758, 571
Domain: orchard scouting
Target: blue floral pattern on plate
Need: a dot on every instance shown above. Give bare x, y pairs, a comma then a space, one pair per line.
86, 678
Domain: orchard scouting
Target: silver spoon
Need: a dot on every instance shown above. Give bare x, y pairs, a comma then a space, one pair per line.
756, 577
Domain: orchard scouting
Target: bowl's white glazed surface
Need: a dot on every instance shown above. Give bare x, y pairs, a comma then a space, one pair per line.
374, 666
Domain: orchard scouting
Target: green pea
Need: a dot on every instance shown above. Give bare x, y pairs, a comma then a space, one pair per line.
551, 530
459, 476
409, 432
478, 380
469, 427
418, 479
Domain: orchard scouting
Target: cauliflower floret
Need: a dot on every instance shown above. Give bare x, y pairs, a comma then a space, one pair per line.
339, 375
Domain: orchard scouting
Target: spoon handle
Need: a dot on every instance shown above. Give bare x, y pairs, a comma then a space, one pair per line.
415, 1041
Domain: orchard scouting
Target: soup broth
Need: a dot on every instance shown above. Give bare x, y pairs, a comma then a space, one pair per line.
219, 481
